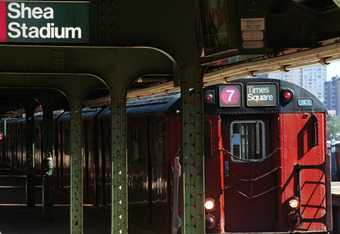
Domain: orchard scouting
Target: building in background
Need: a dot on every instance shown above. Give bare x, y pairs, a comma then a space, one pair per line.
332, 95
331, 112
310, 78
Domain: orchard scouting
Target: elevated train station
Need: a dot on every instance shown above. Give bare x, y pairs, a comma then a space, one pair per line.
69, 55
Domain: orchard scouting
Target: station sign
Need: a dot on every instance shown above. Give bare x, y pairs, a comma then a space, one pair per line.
44, 21
265, 94
230, 95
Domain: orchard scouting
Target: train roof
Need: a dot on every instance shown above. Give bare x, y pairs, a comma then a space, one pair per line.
160, 103
256, 96
302, 101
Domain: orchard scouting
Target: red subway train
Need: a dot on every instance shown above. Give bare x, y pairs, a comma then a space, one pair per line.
266, 163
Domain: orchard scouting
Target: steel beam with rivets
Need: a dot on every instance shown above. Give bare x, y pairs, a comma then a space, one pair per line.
192, 151
119, 218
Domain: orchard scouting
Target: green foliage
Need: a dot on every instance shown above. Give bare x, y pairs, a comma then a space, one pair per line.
333, 127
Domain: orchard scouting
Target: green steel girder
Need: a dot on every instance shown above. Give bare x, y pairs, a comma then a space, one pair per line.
170, 26
66, 84
118, 68
110, 65
173, 40
76, 167
119, 205
192, 151
30, 99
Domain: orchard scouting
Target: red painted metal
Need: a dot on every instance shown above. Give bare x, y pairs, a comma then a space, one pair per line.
291, 139
250, 212
298, 144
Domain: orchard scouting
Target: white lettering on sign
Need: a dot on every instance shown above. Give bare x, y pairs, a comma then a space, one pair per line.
259, 94
258, 98
252, 35
17, 11
17, 30
252, 24
252, 89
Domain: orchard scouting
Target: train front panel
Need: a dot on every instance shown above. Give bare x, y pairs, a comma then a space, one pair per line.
275, 167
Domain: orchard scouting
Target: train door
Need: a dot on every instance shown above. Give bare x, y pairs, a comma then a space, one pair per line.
249, 173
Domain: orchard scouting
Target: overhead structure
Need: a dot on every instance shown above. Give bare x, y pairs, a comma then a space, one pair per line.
106, 45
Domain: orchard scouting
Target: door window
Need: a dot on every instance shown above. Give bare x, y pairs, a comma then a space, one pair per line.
247, 140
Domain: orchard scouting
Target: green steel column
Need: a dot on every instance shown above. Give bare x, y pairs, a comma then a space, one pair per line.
76, 209
119, 216
47, 151
30, 145
192, 152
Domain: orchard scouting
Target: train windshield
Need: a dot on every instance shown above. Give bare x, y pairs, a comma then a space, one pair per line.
247, 140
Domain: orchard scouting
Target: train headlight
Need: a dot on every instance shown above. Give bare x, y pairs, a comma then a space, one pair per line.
209, 204
294, 203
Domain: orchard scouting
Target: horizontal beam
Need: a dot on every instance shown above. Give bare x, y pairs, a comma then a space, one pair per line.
311, 57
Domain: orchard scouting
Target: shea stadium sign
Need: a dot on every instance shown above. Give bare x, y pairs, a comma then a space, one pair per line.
44, 21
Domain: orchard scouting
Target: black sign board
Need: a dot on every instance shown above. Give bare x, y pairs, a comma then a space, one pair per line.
44, 21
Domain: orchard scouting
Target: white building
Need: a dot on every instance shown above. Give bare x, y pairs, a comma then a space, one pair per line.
310, 78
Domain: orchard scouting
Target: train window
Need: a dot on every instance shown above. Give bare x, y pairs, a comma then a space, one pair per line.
247, 141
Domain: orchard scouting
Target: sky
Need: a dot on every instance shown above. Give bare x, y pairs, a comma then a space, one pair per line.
333, 69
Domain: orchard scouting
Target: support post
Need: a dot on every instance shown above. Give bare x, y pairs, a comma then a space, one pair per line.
119, 216
47, 151
76, 209
30, 145
192, 151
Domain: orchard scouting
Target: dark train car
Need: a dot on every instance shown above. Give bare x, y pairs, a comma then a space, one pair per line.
13, 144
91, 163
266, 167
62, 152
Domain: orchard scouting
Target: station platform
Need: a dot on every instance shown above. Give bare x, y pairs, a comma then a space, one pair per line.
336, 206
17, 218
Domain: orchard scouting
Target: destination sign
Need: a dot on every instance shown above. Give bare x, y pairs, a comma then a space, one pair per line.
265, 94
44, 21
230, 95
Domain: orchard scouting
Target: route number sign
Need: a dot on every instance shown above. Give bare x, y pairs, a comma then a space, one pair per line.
230, 95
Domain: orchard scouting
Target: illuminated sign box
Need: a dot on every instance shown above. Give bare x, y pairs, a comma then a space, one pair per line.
265, 94
44, 21
230, 95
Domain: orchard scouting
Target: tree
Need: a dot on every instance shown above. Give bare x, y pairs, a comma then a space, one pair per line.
333, 127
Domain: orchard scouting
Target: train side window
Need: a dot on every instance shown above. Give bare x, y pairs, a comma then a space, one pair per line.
207, 139
247, 141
